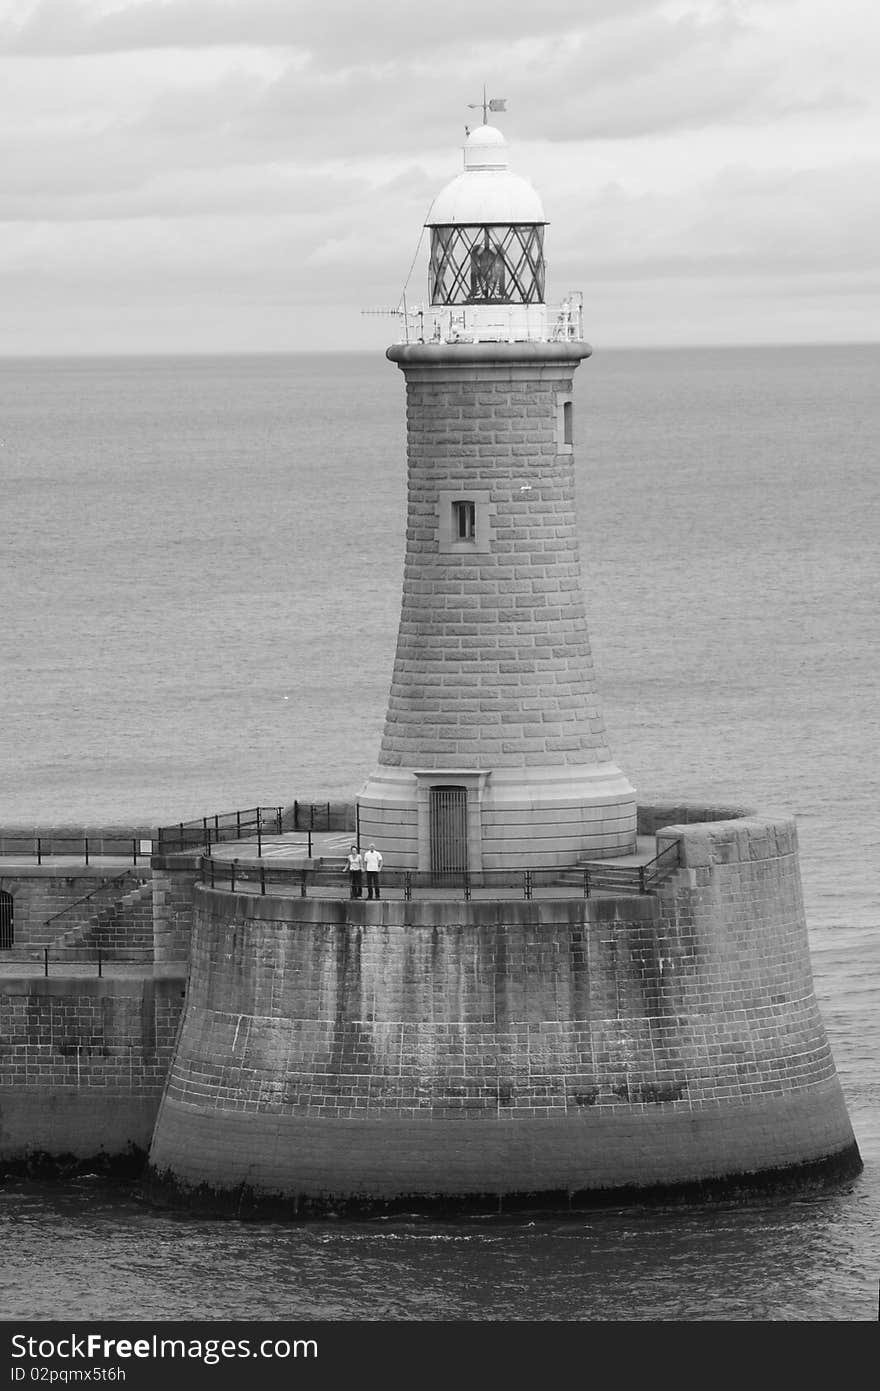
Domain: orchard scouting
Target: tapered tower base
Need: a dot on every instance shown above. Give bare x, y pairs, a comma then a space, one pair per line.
507, 818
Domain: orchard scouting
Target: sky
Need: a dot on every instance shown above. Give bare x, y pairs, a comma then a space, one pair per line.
254, 175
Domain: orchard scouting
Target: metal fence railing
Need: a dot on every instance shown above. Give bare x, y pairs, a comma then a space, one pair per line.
201, 834
84, 848
312, 816
31, 959
102, 897
326, 880
252, 824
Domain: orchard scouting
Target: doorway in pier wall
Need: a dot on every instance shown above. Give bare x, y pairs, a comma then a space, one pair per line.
448, 829
7, 921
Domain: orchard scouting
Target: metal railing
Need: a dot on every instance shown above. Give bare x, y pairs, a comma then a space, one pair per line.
322, 880
64, 957
79, 847
105, 894
311, 816
199, 834
503, 322
663, 864
251, 824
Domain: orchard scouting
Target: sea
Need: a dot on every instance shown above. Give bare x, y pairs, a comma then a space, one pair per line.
201, 568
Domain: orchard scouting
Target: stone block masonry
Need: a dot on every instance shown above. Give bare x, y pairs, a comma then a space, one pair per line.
41, 893
174, 880
349, 1054
493, 674
83, 1063
493, 665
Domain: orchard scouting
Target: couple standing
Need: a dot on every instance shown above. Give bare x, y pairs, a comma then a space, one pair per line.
370, 863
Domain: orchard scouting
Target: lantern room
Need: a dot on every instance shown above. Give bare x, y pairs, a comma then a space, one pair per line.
487, 231
486, 275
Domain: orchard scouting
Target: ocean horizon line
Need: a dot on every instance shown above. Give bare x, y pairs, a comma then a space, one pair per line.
239, 353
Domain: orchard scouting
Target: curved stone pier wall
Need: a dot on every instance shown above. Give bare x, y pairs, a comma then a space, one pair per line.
338, 1054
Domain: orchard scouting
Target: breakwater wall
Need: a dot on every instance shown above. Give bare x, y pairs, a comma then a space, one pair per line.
132, 840
352, 1055
355, 1055
83, 1062
87, 1021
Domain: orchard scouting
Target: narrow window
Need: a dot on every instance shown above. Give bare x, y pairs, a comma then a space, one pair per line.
465, 520
567, 423
7, 921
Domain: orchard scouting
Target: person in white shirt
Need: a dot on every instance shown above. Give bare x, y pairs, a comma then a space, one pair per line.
355, 872
372, 865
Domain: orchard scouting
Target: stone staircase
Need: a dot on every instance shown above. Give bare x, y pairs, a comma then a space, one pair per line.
121, 930
637, 873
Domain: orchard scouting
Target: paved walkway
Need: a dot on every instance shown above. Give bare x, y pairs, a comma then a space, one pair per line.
335, 845
291, 846
260, 869
264, 873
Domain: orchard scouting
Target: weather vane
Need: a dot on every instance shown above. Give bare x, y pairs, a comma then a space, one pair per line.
495, 104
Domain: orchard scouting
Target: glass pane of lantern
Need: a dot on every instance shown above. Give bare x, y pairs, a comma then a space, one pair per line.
487, 264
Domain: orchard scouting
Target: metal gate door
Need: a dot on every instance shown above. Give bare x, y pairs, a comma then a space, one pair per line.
7, 931
448, 829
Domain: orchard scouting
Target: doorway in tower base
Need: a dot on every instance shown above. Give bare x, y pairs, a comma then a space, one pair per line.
448, 829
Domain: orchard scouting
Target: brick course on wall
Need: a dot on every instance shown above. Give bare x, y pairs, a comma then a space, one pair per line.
316, 1164
174, 880
493, 665
83, 1062
41, 892
373, 1050
493, 671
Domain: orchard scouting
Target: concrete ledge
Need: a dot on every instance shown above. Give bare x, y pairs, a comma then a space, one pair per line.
474, 355
659, 815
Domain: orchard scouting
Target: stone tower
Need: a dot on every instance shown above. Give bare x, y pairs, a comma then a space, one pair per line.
494, 752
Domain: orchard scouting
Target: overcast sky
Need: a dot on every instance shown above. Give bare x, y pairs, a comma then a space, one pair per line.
249, 175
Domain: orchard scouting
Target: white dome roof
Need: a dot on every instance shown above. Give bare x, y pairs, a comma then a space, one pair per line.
485, 148
487, 192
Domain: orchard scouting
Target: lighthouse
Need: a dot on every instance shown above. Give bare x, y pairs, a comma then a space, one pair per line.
494, 753
443, 1049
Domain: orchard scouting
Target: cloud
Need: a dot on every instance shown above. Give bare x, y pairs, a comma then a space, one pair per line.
276, 156
741, 223
619, 68
635, 73
338, 32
